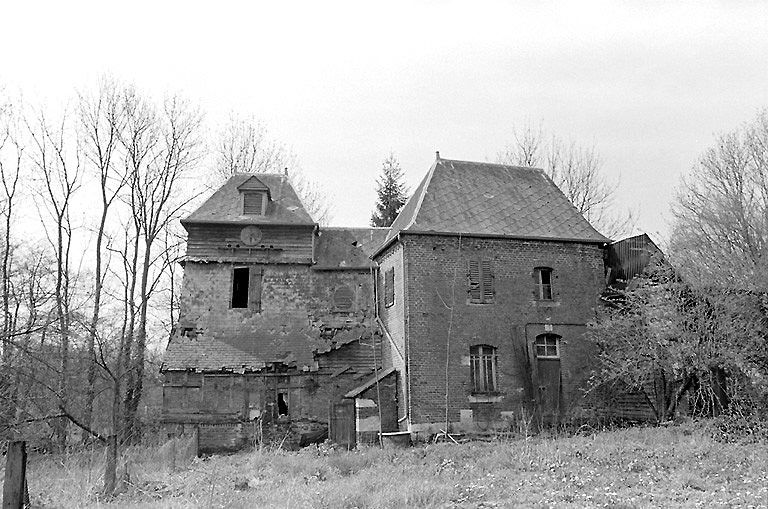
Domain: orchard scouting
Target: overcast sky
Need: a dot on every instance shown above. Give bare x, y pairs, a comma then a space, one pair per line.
650, 84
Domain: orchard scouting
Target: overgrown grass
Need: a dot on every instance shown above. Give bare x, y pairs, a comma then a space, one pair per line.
682, 466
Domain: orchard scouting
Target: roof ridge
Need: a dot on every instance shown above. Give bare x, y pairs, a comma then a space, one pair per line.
270, 173
503, 165
355, 228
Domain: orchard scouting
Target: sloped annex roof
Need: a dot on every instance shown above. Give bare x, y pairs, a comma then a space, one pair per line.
477, 198
347, 248
225, 205
253, 351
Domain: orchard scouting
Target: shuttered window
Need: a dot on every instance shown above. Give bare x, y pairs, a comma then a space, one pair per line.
252, 203
482, 366
389, 287
480, 280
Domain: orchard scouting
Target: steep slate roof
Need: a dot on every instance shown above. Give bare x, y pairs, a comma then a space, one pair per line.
492, 199
340, 248
225, 205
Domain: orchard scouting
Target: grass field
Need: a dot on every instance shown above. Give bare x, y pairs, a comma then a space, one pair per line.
677, 466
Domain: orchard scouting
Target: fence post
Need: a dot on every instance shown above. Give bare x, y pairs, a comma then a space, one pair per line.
15, 493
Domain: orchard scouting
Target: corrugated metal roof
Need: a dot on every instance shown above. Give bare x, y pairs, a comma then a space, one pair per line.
492, 199
225, 205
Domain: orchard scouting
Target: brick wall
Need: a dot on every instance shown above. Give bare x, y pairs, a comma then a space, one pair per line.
437, 281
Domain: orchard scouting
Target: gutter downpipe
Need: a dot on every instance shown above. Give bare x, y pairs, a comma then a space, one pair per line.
407, 336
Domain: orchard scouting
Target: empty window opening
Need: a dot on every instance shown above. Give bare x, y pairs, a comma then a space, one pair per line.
544, 282
482, 364
480, 279
548, 346
389, 287
253, 203
240, 279
282, 403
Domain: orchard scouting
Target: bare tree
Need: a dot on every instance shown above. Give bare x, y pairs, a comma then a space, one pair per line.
11, 154
244, 146
576, 170
101, 121
59, 172
162, 148
720, 231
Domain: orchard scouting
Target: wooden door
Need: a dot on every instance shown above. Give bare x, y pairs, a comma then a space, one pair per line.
342, 425
549, 388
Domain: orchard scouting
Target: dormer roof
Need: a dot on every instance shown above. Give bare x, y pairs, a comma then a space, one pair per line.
253, 184
225, 205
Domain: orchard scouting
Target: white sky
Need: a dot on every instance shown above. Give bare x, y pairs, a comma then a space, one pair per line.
344, 83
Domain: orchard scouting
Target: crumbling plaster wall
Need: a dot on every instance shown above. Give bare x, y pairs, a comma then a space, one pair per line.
296, 315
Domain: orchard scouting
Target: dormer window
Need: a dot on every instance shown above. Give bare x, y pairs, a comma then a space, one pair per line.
254, 203
254, 196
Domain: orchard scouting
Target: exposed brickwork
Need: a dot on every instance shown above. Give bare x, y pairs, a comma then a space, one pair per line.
436, 272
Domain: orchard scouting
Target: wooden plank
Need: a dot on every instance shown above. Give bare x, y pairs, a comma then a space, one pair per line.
15, 483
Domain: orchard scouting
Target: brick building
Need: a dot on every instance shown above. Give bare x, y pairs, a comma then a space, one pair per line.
488, 276
469, 309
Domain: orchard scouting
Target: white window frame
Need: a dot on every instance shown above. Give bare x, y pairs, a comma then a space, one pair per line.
546, 346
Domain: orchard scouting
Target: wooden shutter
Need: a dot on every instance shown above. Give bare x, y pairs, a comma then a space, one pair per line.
486, 280
252, 203
473, 276
254, 290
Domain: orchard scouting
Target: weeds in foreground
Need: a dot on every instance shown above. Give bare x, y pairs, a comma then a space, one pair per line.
637, 467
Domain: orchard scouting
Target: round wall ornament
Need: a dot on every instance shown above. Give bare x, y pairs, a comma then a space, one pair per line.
250, 235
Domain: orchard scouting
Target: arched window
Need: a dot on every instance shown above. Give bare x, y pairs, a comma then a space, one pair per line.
547, 346
482, 362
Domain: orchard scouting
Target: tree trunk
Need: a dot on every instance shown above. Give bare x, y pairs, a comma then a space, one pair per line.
134, 392
61, 425
110, 466
90, 390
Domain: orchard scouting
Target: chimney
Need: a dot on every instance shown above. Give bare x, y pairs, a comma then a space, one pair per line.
437, 155
285, 171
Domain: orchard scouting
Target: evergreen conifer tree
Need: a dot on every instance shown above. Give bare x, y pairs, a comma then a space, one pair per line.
391, 191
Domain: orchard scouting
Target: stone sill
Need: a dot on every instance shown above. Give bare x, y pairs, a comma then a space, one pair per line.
485, 398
